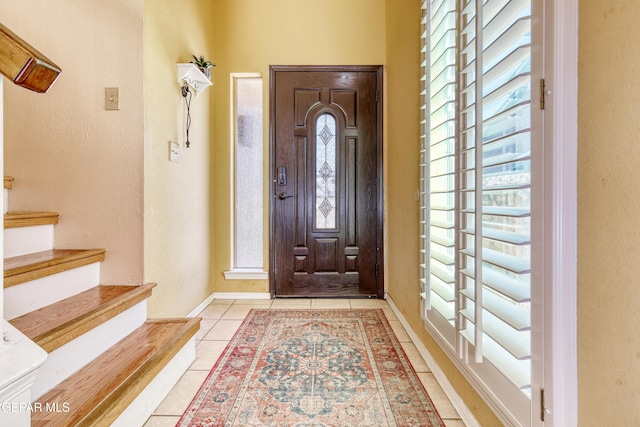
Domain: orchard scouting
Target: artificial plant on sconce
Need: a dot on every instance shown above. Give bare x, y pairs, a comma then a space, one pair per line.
203, 65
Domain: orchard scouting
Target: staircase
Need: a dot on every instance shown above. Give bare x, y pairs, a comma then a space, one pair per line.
107, 363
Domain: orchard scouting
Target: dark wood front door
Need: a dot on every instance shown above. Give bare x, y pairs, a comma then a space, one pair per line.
326, 169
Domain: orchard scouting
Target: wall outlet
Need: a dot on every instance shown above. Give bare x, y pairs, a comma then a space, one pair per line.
174, 151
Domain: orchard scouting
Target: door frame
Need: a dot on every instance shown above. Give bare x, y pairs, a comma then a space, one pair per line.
378, 69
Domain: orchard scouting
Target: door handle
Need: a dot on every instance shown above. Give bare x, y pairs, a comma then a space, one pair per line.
283, 196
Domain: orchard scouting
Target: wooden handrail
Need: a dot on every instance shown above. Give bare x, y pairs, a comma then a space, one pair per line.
24, 65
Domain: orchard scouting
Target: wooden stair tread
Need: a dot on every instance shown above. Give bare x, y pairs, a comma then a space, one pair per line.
33, 266
100, 391
55, 325
27, 218
8, 182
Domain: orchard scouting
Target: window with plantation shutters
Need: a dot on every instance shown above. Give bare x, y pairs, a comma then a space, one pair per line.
438, 161
478, 204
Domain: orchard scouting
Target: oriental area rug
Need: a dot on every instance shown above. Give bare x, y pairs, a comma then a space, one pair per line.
312, 368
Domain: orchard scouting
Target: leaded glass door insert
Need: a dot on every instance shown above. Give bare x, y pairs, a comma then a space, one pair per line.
326, 172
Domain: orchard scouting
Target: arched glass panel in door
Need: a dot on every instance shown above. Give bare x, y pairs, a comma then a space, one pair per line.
325, 203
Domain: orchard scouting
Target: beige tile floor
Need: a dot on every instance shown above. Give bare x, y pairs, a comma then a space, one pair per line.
221, 319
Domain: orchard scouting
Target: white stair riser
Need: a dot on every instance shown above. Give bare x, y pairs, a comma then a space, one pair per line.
148, 400
30, 296
76, 354
26, 240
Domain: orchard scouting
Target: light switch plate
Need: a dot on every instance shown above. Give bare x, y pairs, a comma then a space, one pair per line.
174, 152
111, 98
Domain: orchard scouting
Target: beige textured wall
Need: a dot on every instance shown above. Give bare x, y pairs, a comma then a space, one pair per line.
401, 153
177, 195
251, 35
65, 151
608, 214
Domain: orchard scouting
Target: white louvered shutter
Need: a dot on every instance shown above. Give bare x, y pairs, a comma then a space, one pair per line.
438, 162
476, 172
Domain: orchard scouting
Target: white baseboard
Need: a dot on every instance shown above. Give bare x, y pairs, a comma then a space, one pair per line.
455, 399
242, 295
227, 296
201, 307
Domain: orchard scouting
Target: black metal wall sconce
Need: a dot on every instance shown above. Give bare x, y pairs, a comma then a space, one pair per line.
191, 79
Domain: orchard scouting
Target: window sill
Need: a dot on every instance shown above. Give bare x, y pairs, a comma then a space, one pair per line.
246, 274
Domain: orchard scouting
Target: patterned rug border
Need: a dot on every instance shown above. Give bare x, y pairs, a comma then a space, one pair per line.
190, 413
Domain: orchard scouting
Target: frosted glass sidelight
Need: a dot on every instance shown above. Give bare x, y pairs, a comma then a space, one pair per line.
248, 174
